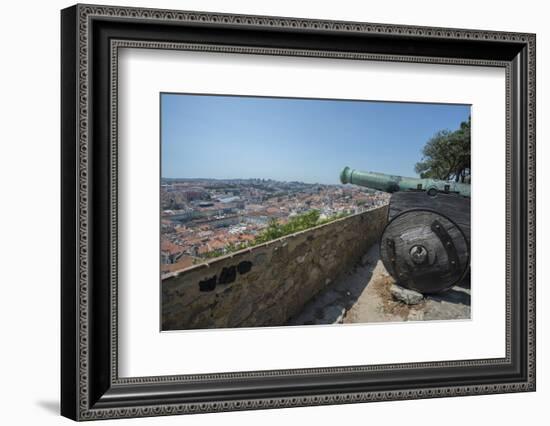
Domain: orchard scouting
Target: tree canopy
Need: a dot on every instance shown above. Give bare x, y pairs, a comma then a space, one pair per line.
446, 155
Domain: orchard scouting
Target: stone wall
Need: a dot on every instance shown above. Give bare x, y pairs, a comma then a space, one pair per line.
267, 284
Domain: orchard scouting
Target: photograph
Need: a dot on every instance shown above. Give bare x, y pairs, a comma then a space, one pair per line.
280, 211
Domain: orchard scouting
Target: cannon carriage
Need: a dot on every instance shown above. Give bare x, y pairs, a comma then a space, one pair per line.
425, 245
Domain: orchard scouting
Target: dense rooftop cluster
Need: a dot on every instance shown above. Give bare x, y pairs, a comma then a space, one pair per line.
206, 218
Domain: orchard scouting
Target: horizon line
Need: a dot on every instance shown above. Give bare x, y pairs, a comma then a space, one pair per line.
249, 178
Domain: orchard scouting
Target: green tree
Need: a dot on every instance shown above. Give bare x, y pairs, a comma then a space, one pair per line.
446, 155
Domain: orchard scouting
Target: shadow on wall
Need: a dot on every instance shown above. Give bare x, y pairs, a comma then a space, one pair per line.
332, 303
268, 284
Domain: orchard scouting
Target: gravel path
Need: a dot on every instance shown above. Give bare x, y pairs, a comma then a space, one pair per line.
363, 295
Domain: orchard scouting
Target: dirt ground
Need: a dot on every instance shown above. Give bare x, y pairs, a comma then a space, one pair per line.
363, 295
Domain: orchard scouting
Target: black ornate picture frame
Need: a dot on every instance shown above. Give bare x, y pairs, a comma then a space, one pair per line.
90, 38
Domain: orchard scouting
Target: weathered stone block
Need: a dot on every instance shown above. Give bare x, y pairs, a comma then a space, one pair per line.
405, 295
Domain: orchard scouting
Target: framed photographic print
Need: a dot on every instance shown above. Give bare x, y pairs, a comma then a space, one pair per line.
263, 212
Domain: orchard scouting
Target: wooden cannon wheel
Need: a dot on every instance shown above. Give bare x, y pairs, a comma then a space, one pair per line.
425, 251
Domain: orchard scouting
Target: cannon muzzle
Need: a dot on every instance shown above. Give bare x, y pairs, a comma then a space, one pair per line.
391, 183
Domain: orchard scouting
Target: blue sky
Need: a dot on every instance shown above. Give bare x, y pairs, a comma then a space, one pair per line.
306, 140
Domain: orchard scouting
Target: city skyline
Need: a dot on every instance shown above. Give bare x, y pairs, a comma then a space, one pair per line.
301, 140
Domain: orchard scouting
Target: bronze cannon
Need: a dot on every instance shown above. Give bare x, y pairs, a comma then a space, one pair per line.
425, 245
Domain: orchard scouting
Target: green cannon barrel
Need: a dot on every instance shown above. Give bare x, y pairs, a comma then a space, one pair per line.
391, 183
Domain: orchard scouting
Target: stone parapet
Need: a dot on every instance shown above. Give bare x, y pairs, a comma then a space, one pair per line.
267, 284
